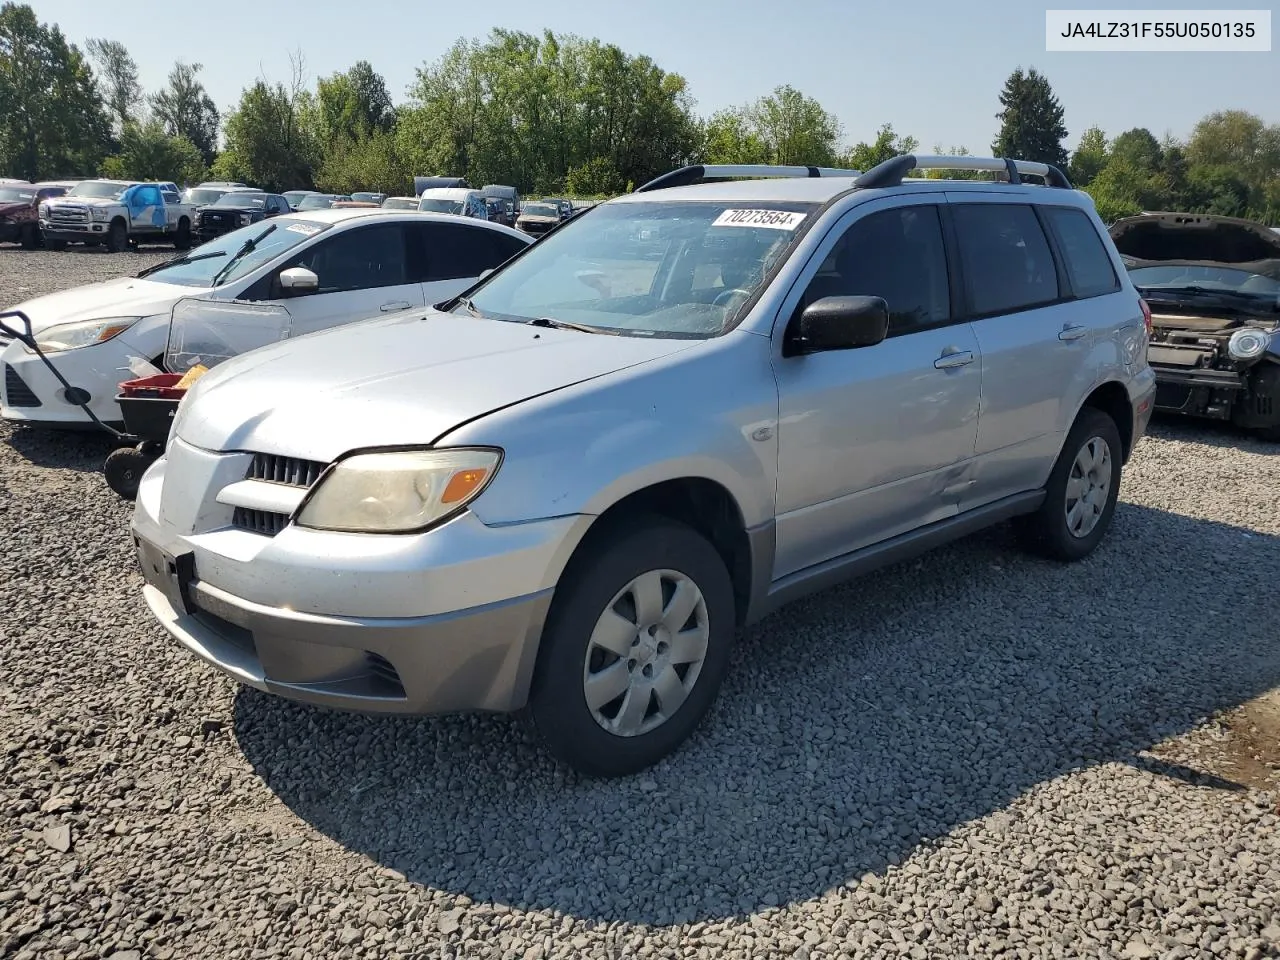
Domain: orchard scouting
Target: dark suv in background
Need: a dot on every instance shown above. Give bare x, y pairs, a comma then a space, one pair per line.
236, 209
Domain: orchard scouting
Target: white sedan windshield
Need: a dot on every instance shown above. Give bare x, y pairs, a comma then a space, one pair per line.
201, 265
658, 269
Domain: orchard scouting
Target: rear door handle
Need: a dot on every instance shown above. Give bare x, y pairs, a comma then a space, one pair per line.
395, 305
956, 358
1073, 331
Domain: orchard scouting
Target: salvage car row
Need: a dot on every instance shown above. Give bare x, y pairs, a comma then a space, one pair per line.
564, 476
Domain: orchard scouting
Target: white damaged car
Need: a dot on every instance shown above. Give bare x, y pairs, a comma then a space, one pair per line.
330, 266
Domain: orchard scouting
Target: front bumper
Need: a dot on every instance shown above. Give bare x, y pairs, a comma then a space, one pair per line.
91, 231
98, 369
445, 621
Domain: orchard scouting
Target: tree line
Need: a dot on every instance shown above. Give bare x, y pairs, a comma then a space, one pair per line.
548, 114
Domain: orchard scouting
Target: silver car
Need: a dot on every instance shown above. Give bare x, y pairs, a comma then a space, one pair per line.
569, 487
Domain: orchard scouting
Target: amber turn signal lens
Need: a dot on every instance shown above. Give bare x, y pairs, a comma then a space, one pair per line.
462, 485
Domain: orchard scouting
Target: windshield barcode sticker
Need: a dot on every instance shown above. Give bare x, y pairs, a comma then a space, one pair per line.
773, 219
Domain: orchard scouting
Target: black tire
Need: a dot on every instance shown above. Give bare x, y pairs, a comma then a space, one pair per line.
1270, 434
117, 237
607, 564
182, 238
124, 469
55, 244
29, 236
1047, 531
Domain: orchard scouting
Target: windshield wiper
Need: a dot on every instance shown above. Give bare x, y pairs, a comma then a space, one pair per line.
245, 249
180, 261
565, 325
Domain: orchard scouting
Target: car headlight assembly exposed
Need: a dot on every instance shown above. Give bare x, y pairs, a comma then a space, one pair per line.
398, 491
82, 333
1248, 343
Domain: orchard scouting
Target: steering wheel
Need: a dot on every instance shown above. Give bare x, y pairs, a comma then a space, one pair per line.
724, 296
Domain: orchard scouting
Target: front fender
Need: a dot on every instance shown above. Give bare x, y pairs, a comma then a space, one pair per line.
582, 449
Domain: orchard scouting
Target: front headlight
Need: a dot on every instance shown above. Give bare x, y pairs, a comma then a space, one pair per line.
100, 213
246, 219
1248, 343
83, 333
42, 211
398, 491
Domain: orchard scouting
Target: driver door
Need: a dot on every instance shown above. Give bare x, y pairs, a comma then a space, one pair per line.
364, 272
146, 207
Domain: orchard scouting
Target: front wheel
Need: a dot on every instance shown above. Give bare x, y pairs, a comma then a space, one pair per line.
117, 237
1080, 497
635, 648
182, 237
29, 237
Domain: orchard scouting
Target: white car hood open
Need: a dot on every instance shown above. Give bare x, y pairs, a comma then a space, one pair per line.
394, 381
126, 297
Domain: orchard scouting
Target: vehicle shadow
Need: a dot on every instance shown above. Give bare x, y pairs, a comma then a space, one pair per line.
83, 449
899, 707
1211, 433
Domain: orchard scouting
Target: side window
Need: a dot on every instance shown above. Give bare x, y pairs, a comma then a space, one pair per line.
359, 259
456, 251
895, 254
1006, 257
1086, 259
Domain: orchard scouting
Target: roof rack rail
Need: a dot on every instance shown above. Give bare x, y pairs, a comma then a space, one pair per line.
702, 172
891, 172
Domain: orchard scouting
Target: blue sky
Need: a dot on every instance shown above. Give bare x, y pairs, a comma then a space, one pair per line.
931, 68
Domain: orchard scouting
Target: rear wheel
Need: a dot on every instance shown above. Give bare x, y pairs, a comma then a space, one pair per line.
1080, 497
635, 648
29, 236
117, 237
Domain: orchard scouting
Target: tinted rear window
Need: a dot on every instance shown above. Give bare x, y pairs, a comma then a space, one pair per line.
1087, 261
1006, 257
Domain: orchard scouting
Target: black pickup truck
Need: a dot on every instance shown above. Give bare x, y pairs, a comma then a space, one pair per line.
234, 210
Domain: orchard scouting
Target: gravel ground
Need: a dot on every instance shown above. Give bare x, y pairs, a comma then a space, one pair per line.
973, 754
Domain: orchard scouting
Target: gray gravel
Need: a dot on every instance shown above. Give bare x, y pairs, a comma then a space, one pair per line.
974, 754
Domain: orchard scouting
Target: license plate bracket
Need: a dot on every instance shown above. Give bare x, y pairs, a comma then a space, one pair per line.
171, 575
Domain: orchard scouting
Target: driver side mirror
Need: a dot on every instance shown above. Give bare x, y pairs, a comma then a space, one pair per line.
298, 280
839, 323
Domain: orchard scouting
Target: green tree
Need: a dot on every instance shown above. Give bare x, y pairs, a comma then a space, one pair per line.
1138, 147
354, 104
886, 145
794, 128
52, 121
149, 152
1089, 158
728, 137
269, 140
1031, 120
187, 110
117, 80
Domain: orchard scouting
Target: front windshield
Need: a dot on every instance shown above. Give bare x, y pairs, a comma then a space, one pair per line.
14, 194
242, 199
439, 205
657, 269
213, 256
316, 201
540, 210
97, 190
1207, 277
203, 196
400, 203
367, 197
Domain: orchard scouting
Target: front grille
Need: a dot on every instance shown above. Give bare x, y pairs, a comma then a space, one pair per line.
16, 391
292, 471
270, 468
259, 521
69, 214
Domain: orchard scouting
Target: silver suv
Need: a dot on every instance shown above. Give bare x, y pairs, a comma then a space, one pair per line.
569, 487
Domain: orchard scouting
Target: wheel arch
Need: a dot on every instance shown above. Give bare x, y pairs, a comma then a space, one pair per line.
1113, 399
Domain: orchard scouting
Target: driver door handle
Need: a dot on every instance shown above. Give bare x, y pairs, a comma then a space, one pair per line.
1073, 331
395, 305
954, 358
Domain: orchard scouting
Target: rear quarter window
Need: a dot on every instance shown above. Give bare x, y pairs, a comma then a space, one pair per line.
1084, 254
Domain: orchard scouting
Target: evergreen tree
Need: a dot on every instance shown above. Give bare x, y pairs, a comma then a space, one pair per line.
1031, 126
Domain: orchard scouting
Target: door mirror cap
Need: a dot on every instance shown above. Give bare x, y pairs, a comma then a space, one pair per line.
299, 280
841, 323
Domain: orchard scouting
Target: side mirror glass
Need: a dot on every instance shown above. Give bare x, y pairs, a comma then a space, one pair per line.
298, 280
840, 323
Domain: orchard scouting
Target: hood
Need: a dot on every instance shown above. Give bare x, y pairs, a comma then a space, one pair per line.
394, 381
1194, 238
538, 218
81, 201
125, 297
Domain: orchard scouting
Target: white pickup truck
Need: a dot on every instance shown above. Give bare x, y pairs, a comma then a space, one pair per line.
115, 213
